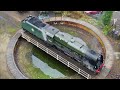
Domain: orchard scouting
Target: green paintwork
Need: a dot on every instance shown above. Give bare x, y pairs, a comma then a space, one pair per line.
54, 41
64, 44
29, 28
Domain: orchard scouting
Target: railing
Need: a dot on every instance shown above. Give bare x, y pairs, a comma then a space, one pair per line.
56, 56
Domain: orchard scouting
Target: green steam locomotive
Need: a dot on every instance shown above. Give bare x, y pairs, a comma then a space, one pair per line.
72, 46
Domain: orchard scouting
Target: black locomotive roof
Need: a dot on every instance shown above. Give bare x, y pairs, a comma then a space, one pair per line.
35, 21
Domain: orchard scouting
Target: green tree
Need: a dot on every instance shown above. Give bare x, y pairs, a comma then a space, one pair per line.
106, 18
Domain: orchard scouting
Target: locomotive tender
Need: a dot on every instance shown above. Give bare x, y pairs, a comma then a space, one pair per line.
74, 47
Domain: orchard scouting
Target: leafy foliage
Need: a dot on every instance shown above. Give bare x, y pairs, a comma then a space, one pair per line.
107, 28
106, 18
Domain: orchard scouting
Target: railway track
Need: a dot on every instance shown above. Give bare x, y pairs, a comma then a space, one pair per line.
80, 69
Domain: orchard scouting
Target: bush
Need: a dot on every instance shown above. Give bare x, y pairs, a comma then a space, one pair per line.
107, 28
106, 18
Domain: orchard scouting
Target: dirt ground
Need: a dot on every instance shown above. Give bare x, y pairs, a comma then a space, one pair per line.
4, 72
115, 71
8, 27
9, 24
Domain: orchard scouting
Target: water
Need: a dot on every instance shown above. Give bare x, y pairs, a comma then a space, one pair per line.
45, 68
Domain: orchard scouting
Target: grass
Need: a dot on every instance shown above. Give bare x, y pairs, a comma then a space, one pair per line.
11, 30
73, 33
81, 16
8, 28
107, 29
4, 39
2, 25
67, 30
97, 23
1, 31
2, 22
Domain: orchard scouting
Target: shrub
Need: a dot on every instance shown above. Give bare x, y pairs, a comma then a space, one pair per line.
107, 28
106, 18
